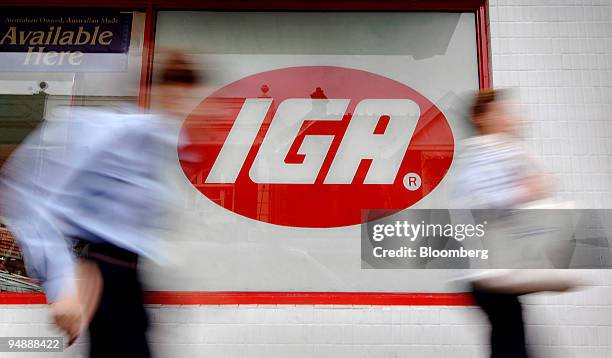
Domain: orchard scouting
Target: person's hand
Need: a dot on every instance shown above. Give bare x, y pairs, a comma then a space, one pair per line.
89, 286
66, 313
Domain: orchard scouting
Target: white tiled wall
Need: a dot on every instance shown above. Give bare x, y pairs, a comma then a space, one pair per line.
576, 324
559, 53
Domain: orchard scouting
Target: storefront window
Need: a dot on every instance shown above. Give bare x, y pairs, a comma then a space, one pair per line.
52, 59
305, 119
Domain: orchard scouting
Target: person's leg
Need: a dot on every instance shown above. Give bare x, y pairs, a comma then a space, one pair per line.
507, 328
118, 327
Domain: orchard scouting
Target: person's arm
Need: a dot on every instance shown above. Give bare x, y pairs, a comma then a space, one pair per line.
496, 172
487, 184
46, 253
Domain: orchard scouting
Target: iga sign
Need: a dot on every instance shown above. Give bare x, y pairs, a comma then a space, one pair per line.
314, 146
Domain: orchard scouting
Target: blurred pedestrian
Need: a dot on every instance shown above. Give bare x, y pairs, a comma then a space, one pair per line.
96, 180
496, 172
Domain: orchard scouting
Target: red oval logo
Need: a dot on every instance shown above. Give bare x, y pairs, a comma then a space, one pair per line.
314, 146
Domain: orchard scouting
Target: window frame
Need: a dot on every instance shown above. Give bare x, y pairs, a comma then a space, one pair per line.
151, 7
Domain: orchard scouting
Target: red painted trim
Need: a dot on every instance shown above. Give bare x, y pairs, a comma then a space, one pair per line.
483, 45
289, 5
309, 298
114, 4
146, 69
324, 5
275, 298
22, 298
479, 7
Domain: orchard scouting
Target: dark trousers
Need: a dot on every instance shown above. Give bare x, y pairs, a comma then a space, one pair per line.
118, 327
507, 328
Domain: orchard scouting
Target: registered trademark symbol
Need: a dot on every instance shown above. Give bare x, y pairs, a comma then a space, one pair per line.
412, 181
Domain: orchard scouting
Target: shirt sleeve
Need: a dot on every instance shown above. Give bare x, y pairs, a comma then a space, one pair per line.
487, 184
34, 173
46, 253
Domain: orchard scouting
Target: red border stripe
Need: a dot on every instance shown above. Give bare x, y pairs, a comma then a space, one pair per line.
309, 298
272, 298
22, 298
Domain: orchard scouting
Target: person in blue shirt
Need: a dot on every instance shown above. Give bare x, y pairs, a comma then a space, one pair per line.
95, 179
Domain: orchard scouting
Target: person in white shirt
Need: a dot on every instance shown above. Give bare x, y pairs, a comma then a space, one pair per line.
497, 173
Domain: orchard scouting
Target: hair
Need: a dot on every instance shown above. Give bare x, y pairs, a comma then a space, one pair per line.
176, 69
484, 98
